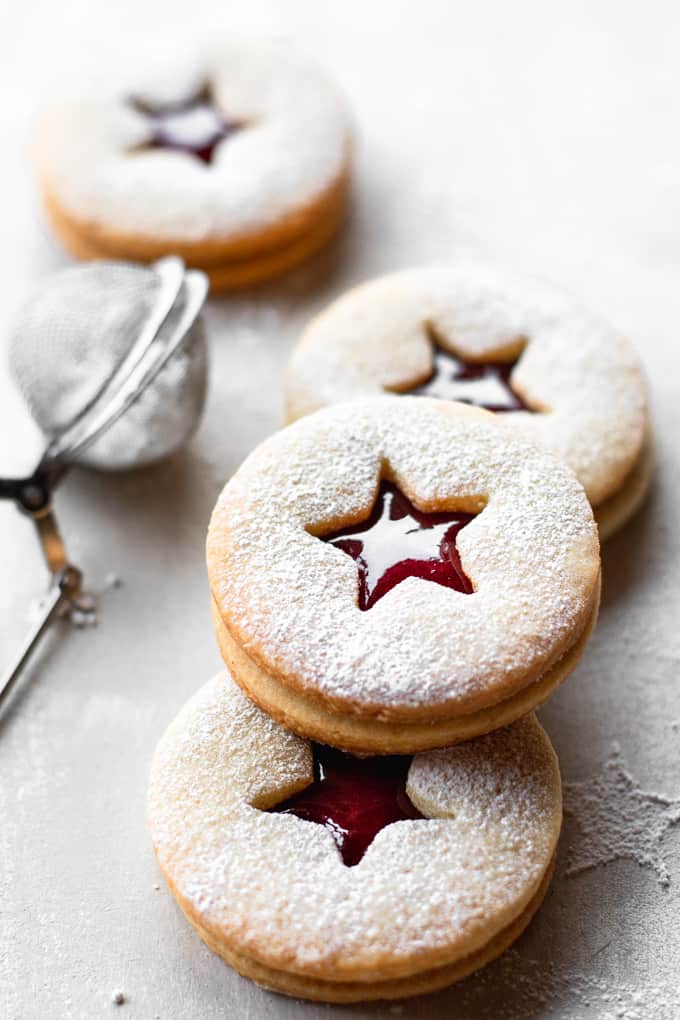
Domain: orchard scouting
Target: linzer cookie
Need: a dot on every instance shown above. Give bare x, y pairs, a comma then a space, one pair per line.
340, 879
400, 573
237, 160
552, 372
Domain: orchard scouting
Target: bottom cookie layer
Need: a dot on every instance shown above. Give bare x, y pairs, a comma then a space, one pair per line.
231, 275
288, 983
620, 507
310, 718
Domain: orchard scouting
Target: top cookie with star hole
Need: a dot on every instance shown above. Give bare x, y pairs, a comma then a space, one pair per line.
237, 159
400, 573
550, 370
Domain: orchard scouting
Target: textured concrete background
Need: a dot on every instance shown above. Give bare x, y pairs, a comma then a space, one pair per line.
544, 134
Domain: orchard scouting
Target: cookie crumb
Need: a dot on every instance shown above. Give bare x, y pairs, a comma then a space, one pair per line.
118, 997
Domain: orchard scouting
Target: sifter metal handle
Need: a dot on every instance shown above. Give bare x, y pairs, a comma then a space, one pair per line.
66, 580
65, 584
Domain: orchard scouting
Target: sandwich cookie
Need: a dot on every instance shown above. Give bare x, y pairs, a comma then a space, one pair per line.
340, 879
237, 160
552, 372
400, 573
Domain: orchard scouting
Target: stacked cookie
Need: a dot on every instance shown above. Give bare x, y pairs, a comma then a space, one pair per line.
311, 521
365, 806
236, 159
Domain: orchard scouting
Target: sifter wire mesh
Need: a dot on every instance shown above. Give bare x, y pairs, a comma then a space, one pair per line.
72, 335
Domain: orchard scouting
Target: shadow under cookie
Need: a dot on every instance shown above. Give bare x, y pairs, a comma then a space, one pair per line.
613, 513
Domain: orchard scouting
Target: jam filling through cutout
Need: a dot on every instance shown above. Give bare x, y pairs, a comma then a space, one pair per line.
193, 125
354, 798
399, 541
483, 384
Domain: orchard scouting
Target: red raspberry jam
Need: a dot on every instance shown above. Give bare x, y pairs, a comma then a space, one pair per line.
483, 384
399, 541
193, 125
354, 798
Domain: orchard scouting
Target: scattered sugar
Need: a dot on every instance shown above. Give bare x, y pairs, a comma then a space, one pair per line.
618, 820
531, 985
81, 611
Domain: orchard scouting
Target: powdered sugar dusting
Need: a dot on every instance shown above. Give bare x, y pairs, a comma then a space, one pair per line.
275, 886
537, 985
291, 600
291, 148
573, 366
619, 820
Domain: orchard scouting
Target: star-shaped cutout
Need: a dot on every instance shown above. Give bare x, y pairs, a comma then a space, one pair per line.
193, 125
617, 819
399, 541
483, 384
354, 798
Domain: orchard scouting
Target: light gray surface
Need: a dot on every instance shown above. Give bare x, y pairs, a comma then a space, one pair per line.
543, 134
